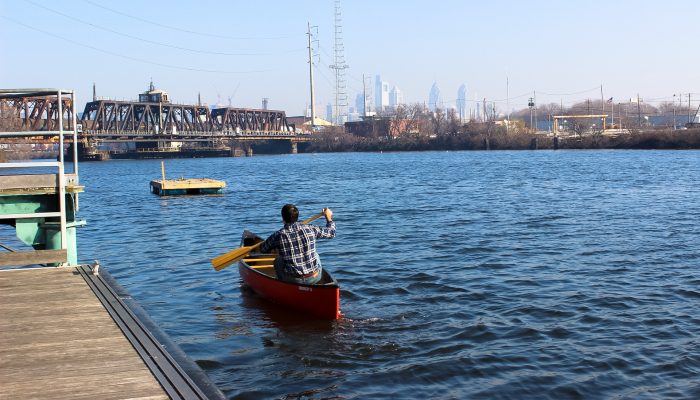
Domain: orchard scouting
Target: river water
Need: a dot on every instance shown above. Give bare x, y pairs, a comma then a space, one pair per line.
546, 274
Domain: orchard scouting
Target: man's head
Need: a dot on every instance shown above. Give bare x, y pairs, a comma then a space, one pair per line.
290, 213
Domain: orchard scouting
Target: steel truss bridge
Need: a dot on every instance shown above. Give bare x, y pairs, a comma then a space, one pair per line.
125, 121
36, 113
135, 118
151, 124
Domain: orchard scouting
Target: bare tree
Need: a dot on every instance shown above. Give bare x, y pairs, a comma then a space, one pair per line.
438, 120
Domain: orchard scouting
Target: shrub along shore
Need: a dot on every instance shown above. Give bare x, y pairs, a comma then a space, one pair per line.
498, 139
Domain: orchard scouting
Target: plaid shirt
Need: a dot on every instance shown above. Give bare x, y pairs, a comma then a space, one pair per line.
296, 244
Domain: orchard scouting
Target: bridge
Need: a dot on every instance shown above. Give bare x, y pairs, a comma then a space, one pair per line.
159, 125
153, 127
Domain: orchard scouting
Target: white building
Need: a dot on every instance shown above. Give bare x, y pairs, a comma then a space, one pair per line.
395, 97
434, 97
329, 112
381, 94
462, 102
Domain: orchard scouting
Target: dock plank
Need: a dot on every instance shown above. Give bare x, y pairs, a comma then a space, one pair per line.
58, 342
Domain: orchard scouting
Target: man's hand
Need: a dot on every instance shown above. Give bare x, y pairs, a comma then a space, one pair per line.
328, 214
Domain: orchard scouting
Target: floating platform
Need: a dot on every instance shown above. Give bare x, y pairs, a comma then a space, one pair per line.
167, 187
187, 186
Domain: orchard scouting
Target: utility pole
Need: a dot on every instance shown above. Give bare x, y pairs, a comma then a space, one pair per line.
534, 101
507, 105
311, 76
674, 112
639, 113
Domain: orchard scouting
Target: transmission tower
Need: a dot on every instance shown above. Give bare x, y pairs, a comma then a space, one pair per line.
341, 95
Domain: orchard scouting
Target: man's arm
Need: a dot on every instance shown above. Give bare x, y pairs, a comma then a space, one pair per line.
329, 231
324, 233
270, 243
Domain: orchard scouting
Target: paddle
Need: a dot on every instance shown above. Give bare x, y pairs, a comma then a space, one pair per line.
232, 256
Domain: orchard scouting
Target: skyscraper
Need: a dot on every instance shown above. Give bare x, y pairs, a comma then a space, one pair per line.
395, 97
381, 94
360, 104
462, 102
434, 98
329, 112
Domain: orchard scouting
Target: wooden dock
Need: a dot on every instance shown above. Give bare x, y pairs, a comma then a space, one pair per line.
63, 337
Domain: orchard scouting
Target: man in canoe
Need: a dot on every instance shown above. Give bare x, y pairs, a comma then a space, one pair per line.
297, 260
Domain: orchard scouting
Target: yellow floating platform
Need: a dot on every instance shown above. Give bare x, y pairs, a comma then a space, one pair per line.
181, 186
187, 186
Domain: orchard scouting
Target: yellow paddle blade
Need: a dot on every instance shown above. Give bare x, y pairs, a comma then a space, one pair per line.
232, 256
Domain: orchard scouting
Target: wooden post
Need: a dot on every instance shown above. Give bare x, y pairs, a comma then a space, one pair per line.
162, 169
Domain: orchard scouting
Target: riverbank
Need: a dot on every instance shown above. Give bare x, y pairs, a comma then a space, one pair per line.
333, 141
498, 139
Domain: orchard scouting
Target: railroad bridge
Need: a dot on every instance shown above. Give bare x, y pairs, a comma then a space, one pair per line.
153, 127
157, 127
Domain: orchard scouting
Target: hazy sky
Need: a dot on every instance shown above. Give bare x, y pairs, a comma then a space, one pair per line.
248, 50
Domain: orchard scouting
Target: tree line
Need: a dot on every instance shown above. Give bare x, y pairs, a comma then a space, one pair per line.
414, 127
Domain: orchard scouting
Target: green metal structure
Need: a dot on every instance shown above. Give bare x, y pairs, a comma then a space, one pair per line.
38, 198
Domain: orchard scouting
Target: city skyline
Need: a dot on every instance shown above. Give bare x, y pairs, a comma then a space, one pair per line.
504, 52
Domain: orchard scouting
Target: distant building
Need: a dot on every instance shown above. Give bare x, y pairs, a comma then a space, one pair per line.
375, 127
329, 112
381, 94
434, 97
462, 102
395, 97
360, 104
153, 95
302, 123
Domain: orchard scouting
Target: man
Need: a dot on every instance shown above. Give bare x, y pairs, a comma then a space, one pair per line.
297, 260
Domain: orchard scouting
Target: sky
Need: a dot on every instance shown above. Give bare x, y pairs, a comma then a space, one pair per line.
244, 51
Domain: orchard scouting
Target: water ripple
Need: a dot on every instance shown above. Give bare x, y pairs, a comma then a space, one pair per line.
499, 275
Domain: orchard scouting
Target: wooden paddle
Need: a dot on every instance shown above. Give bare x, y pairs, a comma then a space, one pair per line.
232, 256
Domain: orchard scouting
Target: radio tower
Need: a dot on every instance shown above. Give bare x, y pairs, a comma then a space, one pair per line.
341, 96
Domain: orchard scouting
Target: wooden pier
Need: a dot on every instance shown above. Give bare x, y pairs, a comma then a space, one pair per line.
68, 330
63, 335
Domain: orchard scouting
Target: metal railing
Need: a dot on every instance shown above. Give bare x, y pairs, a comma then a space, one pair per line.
62, 178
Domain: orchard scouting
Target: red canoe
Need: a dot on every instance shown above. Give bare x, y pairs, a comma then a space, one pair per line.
321, 300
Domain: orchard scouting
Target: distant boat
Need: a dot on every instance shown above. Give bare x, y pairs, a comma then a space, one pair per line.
165, 187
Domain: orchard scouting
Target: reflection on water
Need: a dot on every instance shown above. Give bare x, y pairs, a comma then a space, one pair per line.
462, 274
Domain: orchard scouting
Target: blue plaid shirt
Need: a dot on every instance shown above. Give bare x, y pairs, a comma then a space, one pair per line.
296, 244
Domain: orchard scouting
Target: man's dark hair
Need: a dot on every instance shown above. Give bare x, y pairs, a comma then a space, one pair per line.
290, 213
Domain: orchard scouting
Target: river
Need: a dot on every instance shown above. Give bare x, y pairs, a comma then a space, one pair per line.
531, 274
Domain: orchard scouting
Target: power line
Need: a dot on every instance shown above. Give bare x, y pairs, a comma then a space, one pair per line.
152, 41
129, 57
174, 28
570, 94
